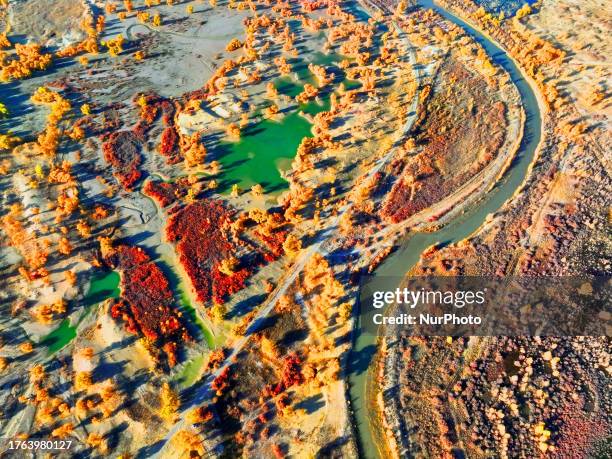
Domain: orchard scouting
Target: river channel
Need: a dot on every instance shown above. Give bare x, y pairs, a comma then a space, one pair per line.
413, 245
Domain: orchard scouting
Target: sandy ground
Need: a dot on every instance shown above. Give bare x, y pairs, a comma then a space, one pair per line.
58, 26
198, 49
582, 29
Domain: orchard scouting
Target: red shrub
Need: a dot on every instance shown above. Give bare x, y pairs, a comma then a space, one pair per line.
579, 432
221, 382
202, 245
292, 372
224, 285
217, 357
282, 402
198, 94
149, 112
126, 257
121, 310
146, 303
162, 192
168, 145
277, 450
167, 193
276, 238
454, 148
274, 242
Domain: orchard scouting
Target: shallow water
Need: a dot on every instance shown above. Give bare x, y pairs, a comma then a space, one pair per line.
102, 287
180, 289
257, 157
267, 148
191, 371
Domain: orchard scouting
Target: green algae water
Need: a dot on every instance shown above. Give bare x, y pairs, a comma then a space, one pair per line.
105, 286
268, 147
191, 372
102, 287
59, 337
407, 255
186, 304
259, 155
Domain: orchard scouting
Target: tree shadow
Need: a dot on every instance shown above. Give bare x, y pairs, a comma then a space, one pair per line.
359, 360
293, 336
311, 404
108, 370
332, 449
245, 306
261, 324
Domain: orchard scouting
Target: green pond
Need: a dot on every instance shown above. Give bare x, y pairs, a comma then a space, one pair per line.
190, 373
261, 153
102, 287
267, 148
105, 286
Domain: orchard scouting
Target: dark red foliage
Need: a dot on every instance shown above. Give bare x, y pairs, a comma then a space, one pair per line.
146, 303
224, 285
221, 382
108, 121
168, 145
121, 310
162, 192
292, 371
282, 402
277, 450
125, 258
272, 390
122, 152
432, 187
140, 130
579, 433
453, 148
274, 241
198, 94
217, 357
168, 109
206, 414
154, 105
170, 349
202, 245
167, 193
149, 113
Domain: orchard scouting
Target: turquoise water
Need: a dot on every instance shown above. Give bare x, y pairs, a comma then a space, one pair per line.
102, 287
258, 156
266, 148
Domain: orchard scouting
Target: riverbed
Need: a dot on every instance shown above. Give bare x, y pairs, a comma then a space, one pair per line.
412, 246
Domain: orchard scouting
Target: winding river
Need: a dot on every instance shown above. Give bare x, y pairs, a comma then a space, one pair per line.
408, 254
